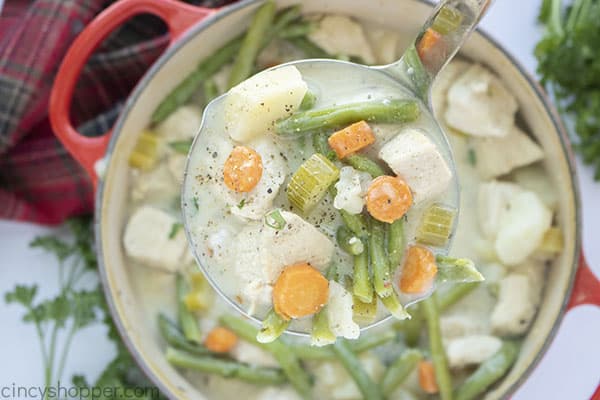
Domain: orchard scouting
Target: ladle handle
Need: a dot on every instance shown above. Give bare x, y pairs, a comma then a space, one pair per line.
442, 35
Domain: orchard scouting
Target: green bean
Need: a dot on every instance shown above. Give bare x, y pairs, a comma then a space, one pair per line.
309, 49
272, 327
286, 358
187, 320
450, 296
184, 91
321, 146
458, 270
300, 29
174, 337
436, 347
321, 333
362, 287
382, 280
285, 17
362, 344
413, 327
364, 164
400, 369
396, 242
226, 368
349, 242
365, 384
212, 64
364, 312
253, 40
488, 372
397, 111
308, 101
372, 340
211, 91
393, 305
356, 223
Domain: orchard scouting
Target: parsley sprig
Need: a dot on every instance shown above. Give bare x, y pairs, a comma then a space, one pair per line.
59, 318
569, 66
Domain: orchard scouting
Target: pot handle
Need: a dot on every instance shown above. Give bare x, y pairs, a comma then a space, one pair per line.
586, 288
87, 150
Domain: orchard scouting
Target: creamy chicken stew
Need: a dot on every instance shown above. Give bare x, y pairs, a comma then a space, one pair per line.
453, 339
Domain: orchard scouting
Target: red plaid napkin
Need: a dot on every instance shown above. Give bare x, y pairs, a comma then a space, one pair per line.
39, 181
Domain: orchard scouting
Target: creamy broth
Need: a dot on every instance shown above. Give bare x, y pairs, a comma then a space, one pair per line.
478, 313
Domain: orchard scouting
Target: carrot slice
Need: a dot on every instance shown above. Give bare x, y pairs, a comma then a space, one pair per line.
427, 379
243, 169
299, 291
388, 198
428, 42
418, 271
351, 139
220, 340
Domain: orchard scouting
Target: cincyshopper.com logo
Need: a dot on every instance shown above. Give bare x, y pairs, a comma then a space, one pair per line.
57, 392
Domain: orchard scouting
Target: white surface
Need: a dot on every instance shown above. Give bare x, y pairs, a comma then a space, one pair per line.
568, 371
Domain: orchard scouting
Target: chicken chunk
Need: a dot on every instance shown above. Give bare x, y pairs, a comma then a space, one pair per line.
176, 164
499, 156
384, 43
522, 228
454, 326
536, 179
415, 158
516, 306
183, 124
262, 252
157, 184
492, 205
351, 189
253, 355
340, 35
471, 350
151, 238
480, 105
442, 84
339, 312
254, 105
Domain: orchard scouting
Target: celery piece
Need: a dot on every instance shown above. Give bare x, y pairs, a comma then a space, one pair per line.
145, 152
447, 21
272, 327
310, 182
457, 270
436, 226
552, 242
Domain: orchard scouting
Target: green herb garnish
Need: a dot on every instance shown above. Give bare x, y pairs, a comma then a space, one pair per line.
174, 229
241, 204
569, 65
275, 220
181, 146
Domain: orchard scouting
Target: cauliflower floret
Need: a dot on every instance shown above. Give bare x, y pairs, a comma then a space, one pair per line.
277, 393
471, 350
499, 156
351, 189
339, 312
334, 383
255, 203
516, 306
254, 355
536, 179
480, 105
262, 252
522, 228
147, 239
414, 157
254, 105
340, 35
183, 124
492, 205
